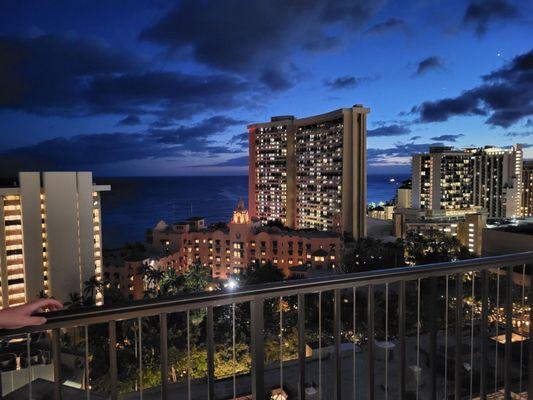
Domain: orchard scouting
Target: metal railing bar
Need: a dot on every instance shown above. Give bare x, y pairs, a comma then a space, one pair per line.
508, 331
56, 358
189, 364
164, 355
210, 354
337, 369
370, 334
433, 340
30, 365
113, 360
484, 334
140, 359
472, 317
386, 341
446, 329
150, 307
523, 304
530, 342
257, 349
319, 345
418, 368
301, 346
281, 343
354, 327
401, 334
458, 335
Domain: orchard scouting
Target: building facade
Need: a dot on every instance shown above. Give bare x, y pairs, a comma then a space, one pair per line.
468, 228
231, 249
404, 198
453, 181
310, 172
50, 235
498, 181
527, 189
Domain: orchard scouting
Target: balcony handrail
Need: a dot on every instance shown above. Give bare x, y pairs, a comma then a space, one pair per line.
83, 316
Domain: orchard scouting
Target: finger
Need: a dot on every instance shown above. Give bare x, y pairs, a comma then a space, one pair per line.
43, 303
35, 321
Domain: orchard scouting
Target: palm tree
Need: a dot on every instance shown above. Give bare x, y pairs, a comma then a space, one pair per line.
92, 286
172, 283
197, 278
75, 300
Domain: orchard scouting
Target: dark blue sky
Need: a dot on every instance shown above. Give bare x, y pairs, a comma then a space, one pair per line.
167, 88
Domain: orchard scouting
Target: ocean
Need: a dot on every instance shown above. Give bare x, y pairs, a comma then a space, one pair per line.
135, 204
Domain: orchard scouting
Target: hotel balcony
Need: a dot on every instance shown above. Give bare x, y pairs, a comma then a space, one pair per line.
455, 330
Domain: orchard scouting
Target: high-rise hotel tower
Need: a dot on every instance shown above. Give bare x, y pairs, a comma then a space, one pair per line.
527, 193
453, 181
50, 236
311, 172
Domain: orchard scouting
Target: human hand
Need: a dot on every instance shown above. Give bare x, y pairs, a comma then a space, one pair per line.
21, 316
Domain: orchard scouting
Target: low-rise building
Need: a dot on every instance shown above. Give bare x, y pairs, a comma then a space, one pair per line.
229, 249
385, 212
467, 228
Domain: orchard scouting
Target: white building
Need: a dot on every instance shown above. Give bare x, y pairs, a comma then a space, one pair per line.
50, 235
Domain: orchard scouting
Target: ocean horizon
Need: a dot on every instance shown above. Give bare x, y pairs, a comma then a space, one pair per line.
136, 204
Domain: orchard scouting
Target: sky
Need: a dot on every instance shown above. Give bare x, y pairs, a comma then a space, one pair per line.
160, 88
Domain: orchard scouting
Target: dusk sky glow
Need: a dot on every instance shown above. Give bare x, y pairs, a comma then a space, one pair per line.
167, 88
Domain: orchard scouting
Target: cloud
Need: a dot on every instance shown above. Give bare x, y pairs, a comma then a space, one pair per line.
480, 14
399, 154
232, 162
240, 140
71, 76
197, 137
415, 138
505, 97
130, 120
345, 82
448, 137
249, 36
429, 64
386, 26
85, 151
518, 134
389, 130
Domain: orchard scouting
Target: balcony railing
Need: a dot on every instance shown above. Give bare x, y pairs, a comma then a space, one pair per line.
449, 330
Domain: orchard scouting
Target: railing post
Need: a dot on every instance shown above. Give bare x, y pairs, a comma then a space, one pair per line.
210, 354
508, 331
433, 338
530, 343
257, 342
370, 334
56, 355
484, 334
337, 381
301, 346
458, 334
113, 360
164, 355
401, 334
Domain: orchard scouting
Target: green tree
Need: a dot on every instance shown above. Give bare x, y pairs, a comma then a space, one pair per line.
92, 286
171, 283
197, 277
369, 254
434, 247
266, 273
